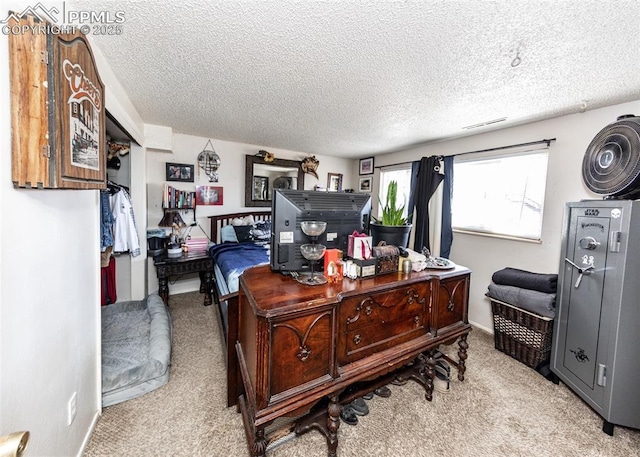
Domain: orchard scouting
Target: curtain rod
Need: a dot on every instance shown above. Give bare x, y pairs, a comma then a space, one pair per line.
547, 141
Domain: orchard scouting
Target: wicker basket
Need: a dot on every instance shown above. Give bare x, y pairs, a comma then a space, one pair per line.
522, 335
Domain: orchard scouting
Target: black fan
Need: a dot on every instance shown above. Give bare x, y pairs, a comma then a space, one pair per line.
611, 164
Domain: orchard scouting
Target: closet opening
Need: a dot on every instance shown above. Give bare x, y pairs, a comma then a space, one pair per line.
116, 265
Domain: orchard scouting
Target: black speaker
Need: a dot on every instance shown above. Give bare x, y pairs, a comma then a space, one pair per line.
611, 164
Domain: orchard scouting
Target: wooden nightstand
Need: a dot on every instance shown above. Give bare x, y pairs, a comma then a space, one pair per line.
189, 262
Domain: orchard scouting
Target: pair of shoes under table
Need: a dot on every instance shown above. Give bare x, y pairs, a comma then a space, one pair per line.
351, 411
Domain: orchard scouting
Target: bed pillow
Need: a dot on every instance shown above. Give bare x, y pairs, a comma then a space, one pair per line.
228, 234
246, 220
243, 233
261, 231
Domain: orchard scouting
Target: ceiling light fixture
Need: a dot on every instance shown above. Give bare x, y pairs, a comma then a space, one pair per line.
483, 124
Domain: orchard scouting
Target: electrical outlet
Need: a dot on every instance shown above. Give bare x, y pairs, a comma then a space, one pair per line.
72, 408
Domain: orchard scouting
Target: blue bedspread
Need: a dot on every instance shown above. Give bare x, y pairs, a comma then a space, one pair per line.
234, 258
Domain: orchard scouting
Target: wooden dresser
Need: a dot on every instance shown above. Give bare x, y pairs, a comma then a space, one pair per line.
296, 350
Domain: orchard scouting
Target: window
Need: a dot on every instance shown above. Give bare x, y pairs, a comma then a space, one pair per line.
403, 177
500, 195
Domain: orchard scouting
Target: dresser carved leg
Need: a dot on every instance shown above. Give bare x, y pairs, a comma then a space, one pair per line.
333, 423
259, 447
462, 355
430, 372
163, 289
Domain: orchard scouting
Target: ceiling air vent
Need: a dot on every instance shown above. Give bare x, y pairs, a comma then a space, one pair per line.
483, 124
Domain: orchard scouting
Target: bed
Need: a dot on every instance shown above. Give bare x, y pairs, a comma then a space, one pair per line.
231, 256
136, 348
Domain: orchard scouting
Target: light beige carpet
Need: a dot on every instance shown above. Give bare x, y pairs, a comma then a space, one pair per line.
503, 408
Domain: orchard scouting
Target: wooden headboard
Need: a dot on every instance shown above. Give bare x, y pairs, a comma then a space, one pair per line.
220, 220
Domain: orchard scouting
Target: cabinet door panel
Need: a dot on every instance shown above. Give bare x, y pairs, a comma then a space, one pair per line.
300, 351
451, 302
57, 110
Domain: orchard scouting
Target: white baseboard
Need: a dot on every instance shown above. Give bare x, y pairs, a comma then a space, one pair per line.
482, 327
87, 437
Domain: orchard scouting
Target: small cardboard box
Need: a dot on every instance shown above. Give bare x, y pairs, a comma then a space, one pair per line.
365, 268
333, 265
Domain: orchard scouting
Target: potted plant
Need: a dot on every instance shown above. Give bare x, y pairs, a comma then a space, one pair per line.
392, 227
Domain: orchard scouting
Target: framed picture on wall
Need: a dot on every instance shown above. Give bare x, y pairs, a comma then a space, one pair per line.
334, 182
365, 184
366, 166
209, 195
179, 172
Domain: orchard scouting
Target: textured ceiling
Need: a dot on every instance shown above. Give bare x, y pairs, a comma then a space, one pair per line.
356, 78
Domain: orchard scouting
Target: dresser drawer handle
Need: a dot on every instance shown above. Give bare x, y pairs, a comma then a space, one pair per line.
357, 339
368, 310
416, 319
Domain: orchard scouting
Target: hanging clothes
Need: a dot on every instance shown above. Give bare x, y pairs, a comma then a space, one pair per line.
125, 233
106, 221
108, 283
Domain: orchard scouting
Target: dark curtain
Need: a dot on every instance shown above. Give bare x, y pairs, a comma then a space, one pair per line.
429, 178
446, 237
415, 166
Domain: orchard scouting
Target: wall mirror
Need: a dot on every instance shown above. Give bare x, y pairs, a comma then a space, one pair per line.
261, 178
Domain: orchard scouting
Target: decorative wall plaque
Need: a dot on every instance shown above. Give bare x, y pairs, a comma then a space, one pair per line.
57, 109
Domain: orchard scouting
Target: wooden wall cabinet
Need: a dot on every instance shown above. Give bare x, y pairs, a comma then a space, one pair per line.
57, 109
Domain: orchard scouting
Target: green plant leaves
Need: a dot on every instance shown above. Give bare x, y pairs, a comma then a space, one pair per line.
391, 212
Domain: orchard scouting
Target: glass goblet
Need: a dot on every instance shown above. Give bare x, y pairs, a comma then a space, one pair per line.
313, 228
313, 252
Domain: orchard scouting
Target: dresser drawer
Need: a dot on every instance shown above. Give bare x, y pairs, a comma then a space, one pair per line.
380, 321
367, 340
370, 309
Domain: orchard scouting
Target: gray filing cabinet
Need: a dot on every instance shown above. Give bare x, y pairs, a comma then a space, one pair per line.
597, 326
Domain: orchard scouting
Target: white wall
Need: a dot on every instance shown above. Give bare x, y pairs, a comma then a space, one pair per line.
185, 149
484, 255
49, 295
49, 303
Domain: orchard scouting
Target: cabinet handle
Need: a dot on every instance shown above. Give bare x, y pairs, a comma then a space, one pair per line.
602, 375
303, 353
416, 320
357, 339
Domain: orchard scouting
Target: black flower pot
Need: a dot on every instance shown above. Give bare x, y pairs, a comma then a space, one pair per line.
393, 235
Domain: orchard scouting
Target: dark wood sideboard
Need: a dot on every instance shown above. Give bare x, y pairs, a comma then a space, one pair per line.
303, 351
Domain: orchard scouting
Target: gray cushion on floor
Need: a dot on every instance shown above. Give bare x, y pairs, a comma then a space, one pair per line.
136, 348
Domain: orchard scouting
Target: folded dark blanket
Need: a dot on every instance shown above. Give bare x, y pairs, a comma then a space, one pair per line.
547, 283
540, 303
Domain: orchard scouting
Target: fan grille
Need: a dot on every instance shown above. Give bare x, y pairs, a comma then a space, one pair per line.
611, 164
